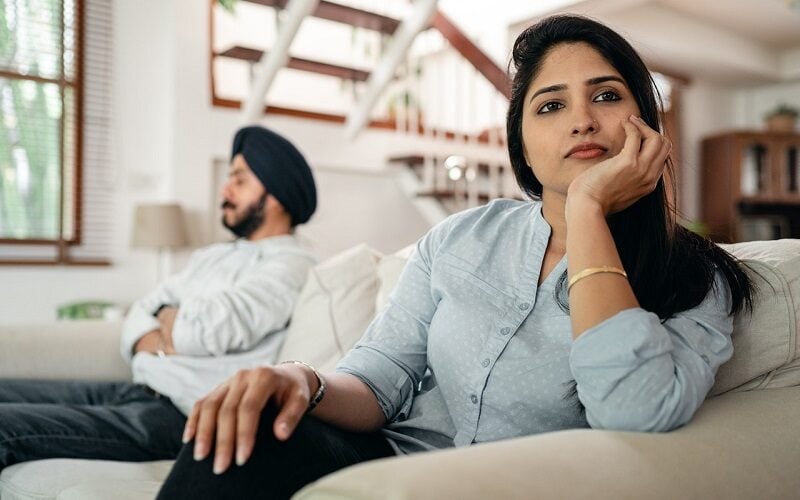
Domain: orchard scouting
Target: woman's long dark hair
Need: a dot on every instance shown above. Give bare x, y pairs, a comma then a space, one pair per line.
670, 268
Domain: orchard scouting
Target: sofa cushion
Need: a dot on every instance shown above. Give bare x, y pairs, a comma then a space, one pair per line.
333, 309
740, 446
57, 350
61, 478
766, 344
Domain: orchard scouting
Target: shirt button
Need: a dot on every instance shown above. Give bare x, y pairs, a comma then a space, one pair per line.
474, 399
524, 306
505, 331
485, 362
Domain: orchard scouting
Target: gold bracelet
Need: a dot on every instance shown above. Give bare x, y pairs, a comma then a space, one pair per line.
594, 270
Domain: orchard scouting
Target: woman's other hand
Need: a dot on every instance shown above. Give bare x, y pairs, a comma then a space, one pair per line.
231, 412
616, 183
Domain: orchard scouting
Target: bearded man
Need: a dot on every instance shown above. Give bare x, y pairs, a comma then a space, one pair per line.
227, 310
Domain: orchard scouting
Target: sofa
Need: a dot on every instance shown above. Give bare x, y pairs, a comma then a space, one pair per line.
743, 443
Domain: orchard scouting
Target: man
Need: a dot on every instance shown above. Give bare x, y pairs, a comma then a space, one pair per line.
226, 311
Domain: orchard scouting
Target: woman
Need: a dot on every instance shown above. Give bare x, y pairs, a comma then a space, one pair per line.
490, 324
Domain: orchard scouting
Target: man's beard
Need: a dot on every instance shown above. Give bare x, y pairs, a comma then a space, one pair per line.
250, 221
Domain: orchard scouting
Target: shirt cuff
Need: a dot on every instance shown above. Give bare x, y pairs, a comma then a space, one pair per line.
390, 383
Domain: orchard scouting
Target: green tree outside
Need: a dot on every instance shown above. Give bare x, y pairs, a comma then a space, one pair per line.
30, 119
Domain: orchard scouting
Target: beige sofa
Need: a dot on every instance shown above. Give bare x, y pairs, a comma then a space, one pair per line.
744, 442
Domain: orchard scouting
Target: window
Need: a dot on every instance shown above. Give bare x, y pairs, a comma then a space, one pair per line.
43, 133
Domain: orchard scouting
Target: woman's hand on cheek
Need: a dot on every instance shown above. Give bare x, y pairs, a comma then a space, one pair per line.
616, 183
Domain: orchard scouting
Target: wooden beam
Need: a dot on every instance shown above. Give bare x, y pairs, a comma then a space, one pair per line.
472, 53
416, 21
344, 14
254, 55
334, 118
269, 65
300, 113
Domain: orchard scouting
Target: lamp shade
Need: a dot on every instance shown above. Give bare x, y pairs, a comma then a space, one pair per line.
159, 225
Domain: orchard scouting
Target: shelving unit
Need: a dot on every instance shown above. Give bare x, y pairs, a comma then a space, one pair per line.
751, 185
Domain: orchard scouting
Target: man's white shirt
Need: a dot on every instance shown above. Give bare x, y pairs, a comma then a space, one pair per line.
234, 302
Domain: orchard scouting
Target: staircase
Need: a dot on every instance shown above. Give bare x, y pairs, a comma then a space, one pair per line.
446, 94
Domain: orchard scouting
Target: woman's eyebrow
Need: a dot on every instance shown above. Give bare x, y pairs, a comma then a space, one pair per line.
591, 81
551, 88
602, 79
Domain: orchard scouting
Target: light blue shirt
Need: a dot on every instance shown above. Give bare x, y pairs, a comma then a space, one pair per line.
470, 349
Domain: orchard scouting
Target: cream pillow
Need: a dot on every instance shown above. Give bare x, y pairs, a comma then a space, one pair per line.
389, 270
766, 345
334, 308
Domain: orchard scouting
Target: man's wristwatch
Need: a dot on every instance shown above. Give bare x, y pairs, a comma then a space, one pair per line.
158, 310
317, 397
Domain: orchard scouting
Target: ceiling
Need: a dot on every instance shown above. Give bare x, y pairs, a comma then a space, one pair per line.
774, 23
730, 42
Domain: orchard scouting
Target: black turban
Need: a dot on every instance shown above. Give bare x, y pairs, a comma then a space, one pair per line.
281, 169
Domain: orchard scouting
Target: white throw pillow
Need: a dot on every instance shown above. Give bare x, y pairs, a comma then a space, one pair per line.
766, 344
389, 270
334, 308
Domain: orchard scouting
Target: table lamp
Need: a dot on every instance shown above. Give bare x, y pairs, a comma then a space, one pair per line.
160, 226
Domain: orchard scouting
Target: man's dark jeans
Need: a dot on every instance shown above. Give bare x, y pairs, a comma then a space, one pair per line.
73, 419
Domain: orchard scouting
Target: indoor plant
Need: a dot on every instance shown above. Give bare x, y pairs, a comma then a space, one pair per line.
782, 119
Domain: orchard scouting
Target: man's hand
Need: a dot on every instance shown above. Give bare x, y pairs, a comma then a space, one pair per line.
150, 342
166, 318
153, 342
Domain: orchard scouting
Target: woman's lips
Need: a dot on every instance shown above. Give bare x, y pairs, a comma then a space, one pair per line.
587, 154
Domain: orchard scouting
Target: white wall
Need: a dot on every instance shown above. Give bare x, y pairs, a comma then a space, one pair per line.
752, 104
706, 108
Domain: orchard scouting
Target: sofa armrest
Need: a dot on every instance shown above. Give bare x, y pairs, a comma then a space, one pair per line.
739, 446
83, 349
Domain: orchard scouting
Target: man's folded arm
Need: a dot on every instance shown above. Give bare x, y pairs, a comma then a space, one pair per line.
242, 315
140, 320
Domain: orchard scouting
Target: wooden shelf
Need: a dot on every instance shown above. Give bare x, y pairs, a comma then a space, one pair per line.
770, 200
750, 174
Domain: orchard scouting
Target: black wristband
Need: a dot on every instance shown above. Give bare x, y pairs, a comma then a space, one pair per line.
162, 306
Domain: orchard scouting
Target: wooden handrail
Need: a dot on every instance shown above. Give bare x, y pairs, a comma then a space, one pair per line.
472, 53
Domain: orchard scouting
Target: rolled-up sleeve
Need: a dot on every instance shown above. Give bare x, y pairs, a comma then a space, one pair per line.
391, 358
239, 317
635, 373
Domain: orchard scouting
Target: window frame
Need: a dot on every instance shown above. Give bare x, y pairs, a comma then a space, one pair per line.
77, 195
